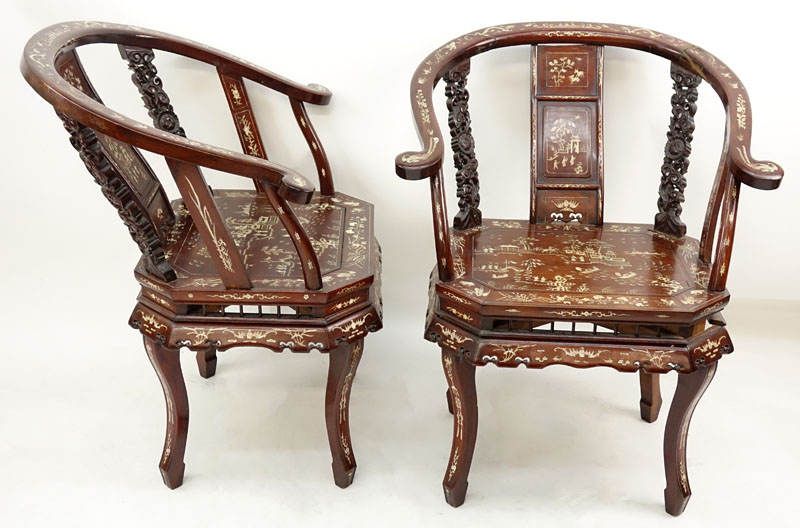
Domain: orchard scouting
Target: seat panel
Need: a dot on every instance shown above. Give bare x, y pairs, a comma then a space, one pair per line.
515, 267
339, 227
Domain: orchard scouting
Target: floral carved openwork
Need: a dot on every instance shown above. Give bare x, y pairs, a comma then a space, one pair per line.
145, 76
677, 151
114, 187
463, 145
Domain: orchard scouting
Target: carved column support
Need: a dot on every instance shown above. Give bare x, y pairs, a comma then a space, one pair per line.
145, 76
463, 145
677, 151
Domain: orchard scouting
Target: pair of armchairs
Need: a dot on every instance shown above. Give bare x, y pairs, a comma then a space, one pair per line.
287, 268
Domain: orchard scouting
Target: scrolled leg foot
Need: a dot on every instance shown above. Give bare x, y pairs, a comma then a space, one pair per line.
650, 404
688, 392
207, 362
460, 375
166, 362
344, 362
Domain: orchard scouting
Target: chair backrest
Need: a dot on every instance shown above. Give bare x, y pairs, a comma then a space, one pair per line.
567, 131
109, 143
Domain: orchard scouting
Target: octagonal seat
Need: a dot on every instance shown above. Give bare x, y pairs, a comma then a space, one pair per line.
620, 273
339, 228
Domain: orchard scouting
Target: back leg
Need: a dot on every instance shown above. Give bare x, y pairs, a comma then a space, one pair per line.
207, 362
650, 403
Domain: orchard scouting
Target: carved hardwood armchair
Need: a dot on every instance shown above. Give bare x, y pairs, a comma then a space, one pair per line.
563, 287
221, 268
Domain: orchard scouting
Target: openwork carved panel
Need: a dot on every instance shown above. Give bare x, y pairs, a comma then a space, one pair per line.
124, 176
140, 225
463, 145
677, 151
145, 76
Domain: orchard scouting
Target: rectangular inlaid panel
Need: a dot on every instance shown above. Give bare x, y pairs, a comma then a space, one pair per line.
566, 134
567, 70
566, 206
568, 148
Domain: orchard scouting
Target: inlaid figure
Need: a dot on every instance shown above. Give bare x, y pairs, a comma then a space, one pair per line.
281, 266
563, 287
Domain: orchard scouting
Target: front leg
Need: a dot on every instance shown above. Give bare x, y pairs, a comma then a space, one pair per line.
687, 394
167, 364
460, 375
341, 372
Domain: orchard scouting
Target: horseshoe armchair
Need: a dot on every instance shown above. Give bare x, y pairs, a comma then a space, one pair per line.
562, 286
280, 266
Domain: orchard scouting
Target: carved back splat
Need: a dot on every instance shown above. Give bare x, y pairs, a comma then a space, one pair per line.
191, 183
156, 100
127, 181
566, 134
677, 151
463, 145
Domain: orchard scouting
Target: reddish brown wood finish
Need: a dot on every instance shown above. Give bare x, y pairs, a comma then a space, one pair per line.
167, 364
225, 268
207, 362
688, 392
460, 376
341, 373
566, 134
563, 287
650, 404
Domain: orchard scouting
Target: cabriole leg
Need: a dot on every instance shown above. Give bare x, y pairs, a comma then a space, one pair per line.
341, 372
650, 404
687, 394
166, 362
207, 362
460, 376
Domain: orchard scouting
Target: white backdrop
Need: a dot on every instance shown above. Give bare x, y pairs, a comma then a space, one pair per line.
73, 366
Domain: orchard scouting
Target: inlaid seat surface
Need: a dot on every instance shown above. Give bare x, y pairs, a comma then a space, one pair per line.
339, 228
519, 266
